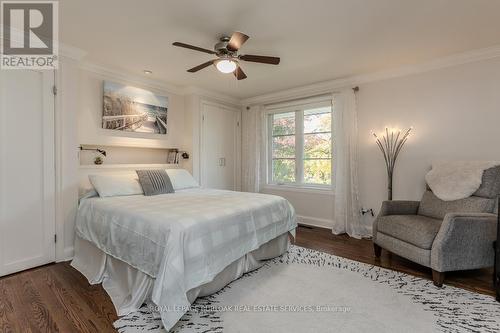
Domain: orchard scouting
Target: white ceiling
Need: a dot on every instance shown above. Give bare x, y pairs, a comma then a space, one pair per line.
317, 40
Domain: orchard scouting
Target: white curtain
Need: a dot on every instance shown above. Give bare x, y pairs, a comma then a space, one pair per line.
347, 208
251, 144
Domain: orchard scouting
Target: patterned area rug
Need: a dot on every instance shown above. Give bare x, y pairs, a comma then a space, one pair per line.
310, 291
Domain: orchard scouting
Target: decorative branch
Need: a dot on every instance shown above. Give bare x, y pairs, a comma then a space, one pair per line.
390, 144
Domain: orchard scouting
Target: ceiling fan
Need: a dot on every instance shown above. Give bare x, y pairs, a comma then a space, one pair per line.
228, 60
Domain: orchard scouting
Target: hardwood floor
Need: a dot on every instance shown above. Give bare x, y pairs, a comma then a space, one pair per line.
362, 250
54, 298
57, 298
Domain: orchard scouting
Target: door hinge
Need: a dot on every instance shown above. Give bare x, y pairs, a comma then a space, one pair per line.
54, 90
238, 123
203, 117
55, 238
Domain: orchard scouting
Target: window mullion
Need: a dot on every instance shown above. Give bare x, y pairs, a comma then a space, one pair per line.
299, 147
282, 164
270, 176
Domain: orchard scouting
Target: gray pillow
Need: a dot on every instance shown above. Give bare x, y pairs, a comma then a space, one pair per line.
155, 182
432, 206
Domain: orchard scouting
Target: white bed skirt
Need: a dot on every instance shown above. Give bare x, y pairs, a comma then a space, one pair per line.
129, 288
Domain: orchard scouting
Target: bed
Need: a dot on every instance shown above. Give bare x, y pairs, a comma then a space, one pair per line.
170, 249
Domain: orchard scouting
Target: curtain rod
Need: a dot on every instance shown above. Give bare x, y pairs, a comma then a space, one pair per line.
301, 101
355, 89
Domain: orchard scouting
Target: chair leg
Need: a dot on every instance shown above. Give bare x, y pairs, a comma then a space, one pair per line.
438, 278
378, 250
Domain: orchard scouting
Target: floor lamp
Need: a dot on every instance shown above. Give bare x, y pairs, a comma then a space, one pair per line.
390, 143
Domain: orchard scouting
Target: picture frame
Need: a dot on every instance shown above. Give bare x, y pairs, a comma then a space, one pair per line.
132, 109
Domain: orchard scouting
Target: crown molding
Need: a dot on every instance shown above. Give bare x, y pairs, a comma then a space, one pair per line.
336, 84
211, 95
71, 52
159, 85
120, 75
315, 89
435, 64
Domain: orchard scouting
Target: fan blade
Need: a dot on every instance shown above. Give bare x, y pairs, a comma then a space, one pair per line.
237, 39
192, 47
261, 59
197, 68
240, 75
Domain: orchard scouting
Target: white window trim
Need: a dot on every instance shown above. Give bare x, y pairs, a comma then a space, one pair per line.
300, 103
327, 190
298, 107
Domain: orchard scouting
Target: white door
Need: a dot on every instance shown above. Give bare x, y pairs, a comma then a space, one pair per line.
27, 172
220, 141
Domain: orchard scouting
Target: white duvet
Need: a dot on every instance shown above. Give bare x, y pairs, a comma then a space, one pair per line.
182, 239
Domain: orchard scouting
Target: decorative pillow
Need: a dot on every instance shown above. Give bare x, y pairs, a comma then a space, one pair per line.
155, 182
116, 185
432, 206
181, 179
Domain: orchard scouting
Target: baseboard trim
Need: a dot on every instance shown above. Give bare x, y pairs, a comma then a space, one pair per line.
314, 221
69, 253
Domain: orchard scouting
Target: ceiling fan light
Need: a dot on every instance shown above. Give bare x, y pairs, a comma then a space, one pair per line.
226, 66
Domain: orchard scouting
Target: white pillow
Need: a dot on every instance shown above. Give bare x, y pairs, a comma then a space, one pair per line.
181, 179
116, 185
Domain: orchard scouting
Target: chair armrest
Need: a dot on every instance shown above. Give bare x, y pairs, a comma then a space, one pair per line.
394, 207
399, 207
464, 241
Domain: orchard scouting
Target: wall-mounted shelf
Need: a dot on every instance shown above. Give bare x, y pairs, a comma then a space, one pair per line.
122, 155
125, 145
128, 166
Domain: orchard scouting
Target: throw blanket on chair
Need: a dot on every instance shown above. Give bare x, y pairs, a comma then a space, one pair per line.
457, 180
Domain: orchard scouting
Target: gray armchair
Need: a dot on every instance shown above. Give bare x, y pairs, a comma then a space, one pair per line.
443, 235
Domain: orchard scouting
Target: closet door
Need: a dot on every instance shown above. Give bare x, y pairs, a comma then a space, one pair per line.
220, 141
27, 172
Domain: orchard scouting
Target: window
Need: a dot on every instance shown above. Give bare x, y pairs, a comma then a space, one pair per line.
300, 145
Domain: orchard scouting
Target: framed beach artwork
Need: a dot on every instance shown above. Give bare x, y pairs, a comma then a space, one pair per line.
131, 109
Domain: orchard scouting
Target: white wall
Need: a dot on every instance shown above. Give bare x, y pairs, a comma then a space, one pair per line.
66, 156
312, 208
456, 114
90, 115
192, 137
